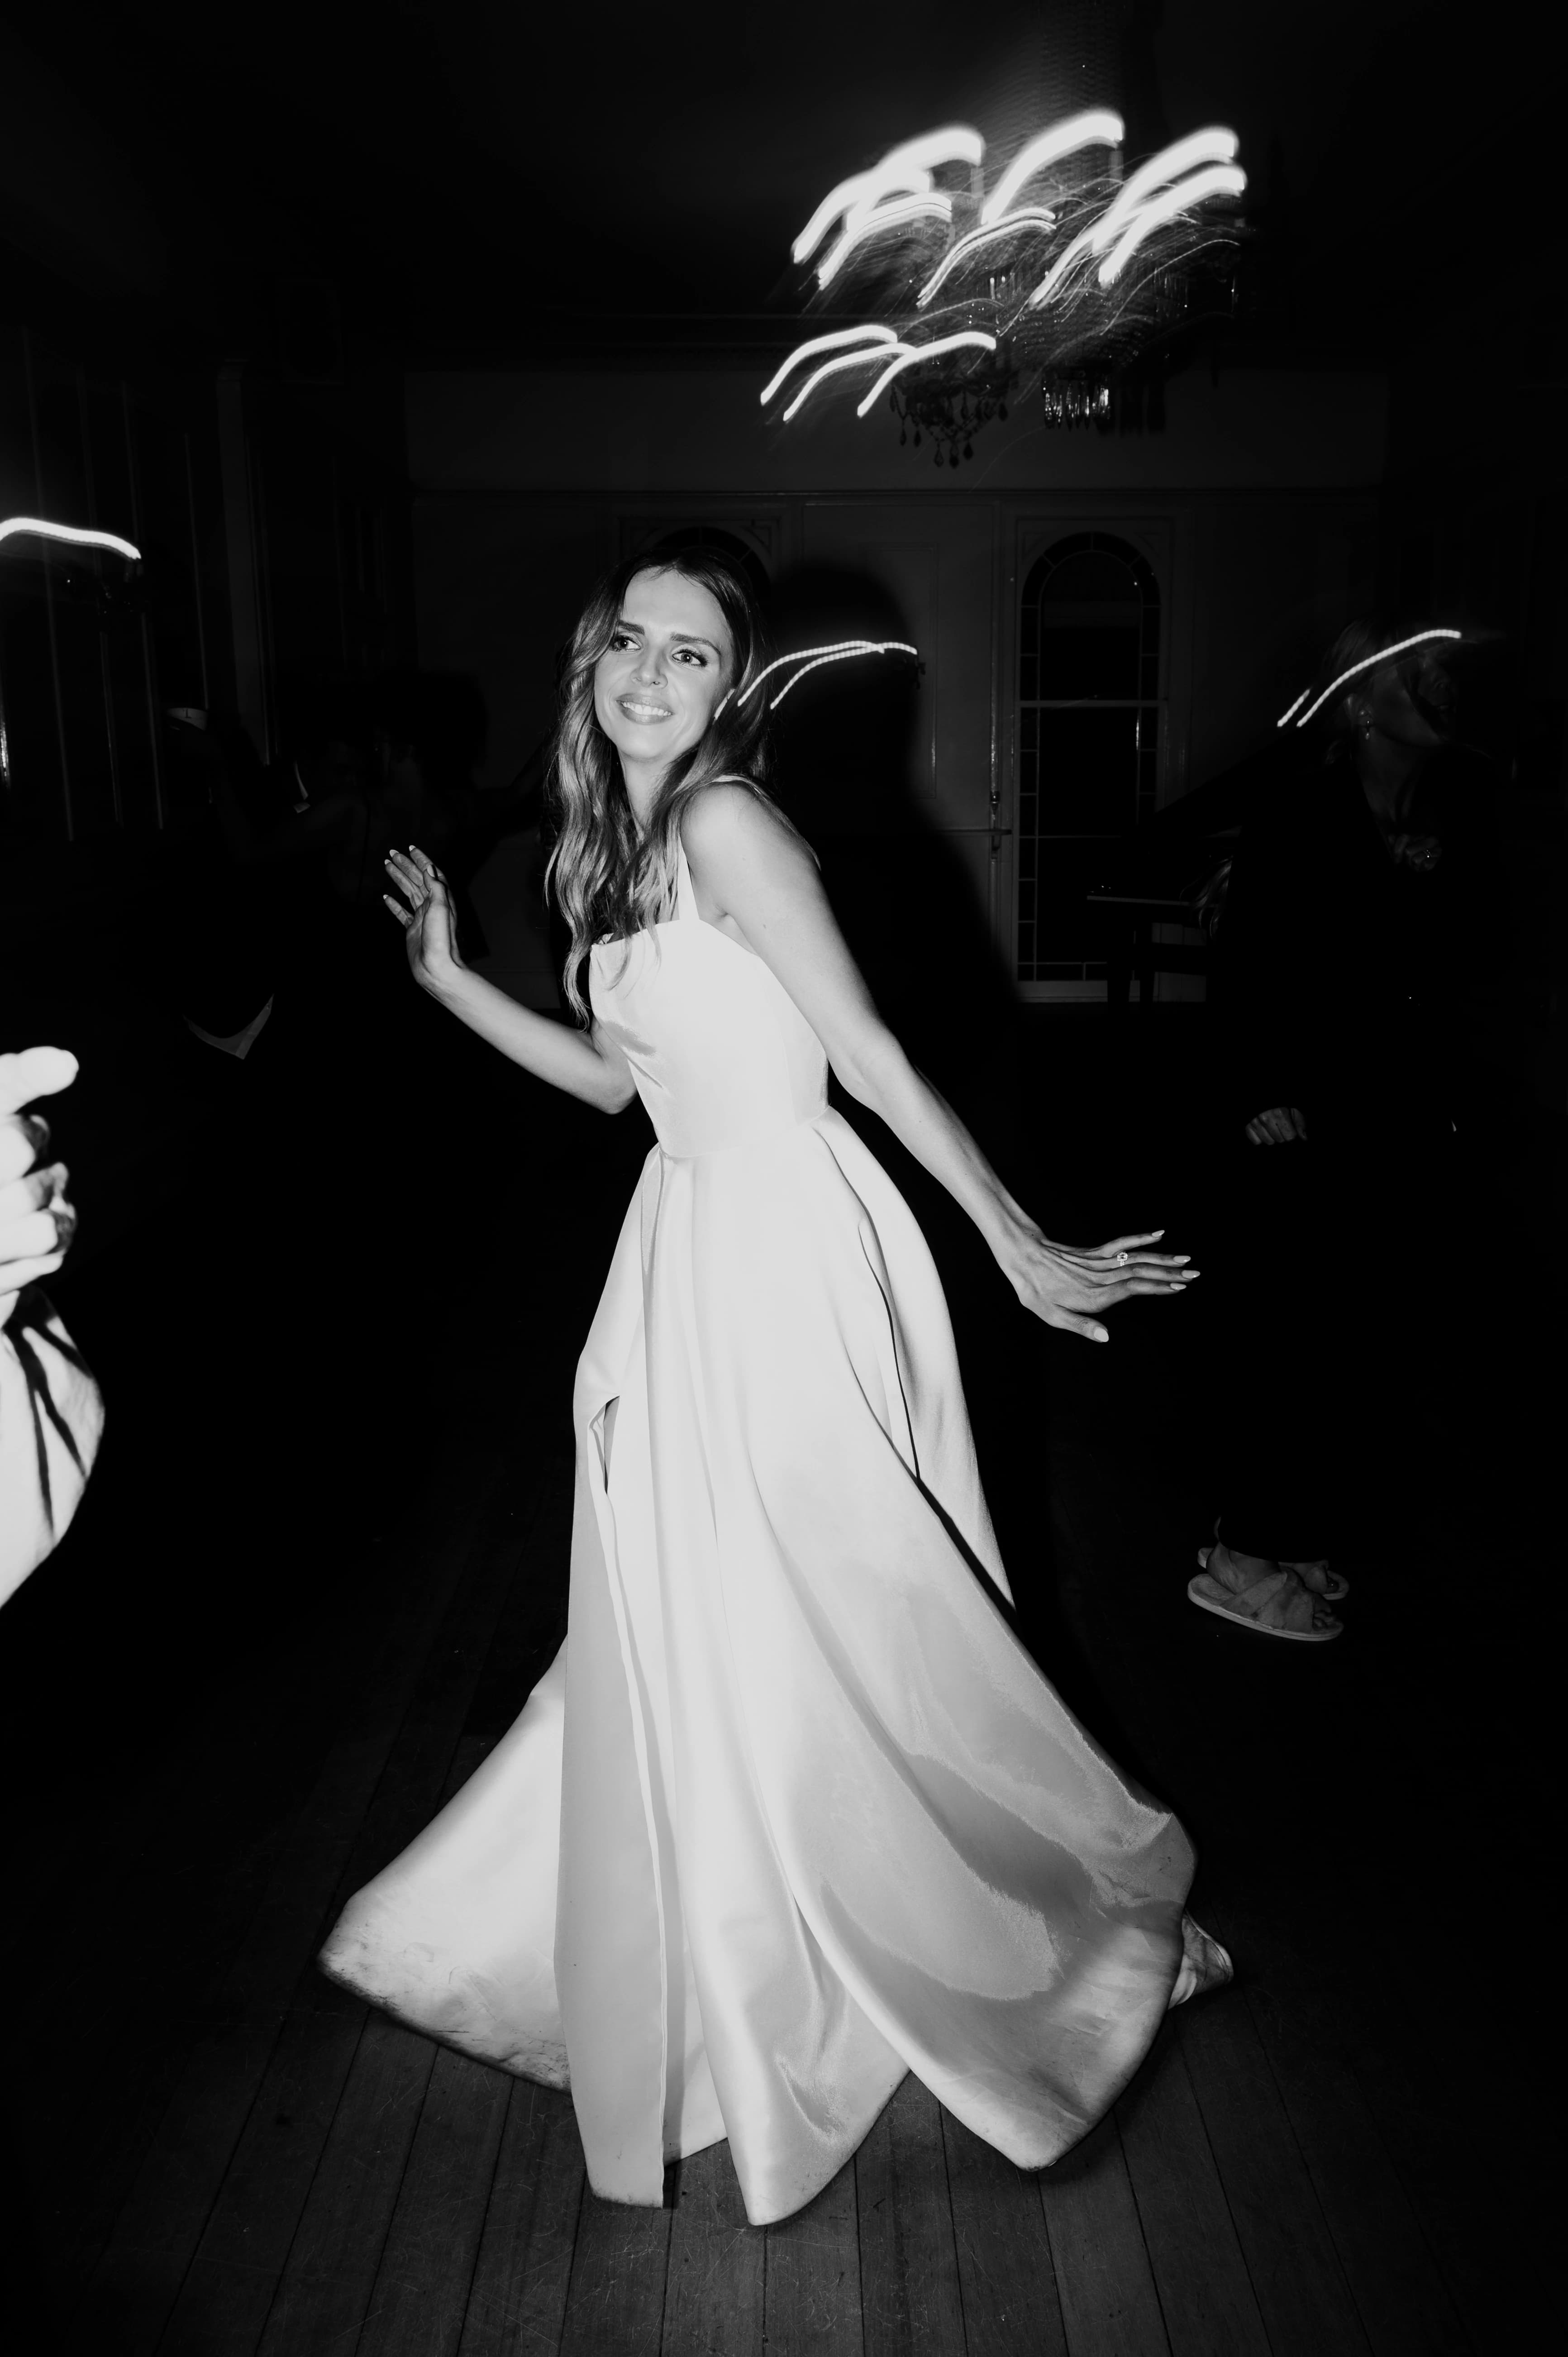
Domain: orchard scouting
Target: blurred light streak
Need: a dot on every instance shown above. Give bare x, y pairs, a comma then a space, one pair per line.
935, 207
1214, 146
878, 351
1368, 663
73, 536
903, 172
1098, 128
812, 656
1129, 215
834, 344
1027, 217
841, 654
910, 354
1082, 241
1219, 180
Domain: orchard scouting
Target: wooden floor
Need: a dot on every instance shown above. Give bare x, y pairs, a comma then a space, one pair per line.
216, 2153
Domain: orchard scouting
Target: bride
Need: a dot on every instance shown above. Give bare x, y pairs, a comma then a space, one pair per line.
793, 1812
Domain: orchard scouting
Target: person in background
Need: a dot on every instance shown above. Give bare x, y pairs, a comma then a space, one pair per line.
1359, 882
51, 1412
222, 957
370, 769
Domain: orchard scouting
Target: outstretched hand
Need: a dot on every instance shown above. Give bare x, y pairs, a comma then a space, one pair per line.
37, 1222
1073, 1287
1278, 1125
424, 913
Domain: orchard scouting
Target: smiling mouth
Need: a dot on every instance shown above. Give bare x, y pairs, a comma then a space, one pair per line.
637, 707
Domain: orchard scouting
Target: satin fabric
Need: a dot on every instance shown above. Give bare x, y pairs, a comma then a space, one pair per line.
794, 1811
51, 1420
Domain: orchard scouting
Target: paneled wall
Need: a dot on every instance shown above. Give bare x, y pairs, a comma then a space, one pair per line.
1257, 510
89, 652
273, 527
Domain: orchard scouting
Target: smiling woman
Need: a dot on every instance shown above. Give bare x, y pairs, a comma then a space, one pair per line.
793, 1813
653, 708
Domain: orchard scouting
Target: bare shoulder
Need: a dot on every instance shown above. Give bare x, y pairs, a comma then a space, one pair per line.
728, 829
728, 811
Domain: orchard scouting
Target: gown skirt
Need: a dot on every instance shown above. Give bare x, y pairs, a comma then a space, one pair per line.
793, 1812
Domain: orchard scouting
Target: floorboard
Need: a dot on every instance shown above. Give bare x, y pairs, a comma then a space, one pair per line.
714, 2292
1108, 2304
1006, 2275
324, 2297
1392, 2272
420, 2297
1302, 2294
910, 2299
158, 2231
517, 2302
233, 1804
1478, 2190
1206, 2295
811, 2297
1320, 2161
615, 2303
223, 2302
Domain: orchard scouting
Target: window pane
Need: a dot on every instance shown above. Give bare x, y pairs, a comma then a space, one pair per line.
1093, 659
1088, 772
1096, 577
1065, 926
1089, 736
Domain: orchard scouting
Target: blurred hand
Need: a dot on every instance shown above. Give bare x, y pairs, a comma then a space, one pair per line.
1072, 1287
1421, 852
1278, 1126
426, 918
37, 1223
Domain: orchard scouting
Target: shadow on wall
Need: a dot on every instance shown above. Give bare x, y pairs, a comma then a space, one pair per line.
846, 761
847, 766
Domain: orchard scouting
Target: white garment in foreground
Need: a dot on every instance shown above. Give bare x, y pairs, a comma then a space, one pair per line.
51, 1418
793, 1812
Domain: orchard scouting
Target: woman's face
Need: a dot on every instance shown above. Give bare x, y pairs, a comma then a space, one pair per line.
665, 668
1410, 702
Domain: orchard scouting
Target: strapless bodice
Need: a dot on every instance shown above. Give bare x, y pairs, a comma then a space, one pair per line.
721, 1054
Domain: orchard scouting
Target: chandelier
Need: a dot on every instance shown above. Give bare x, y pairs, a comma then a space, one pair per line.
1051, 279
949, 413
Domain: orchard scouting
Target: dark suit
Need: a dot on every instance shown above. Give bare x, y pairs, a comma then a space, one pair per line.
1336, 981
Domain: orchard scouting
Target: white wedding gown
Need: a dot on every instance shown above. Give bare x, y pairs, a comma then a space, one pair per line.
793, 1812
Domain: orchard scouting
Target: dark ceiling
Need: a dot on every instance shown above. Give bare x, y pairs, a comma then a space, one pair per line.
488, 181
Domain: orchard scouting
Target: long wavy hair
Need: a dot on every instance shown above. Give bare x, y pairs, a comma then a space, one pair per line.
609, 881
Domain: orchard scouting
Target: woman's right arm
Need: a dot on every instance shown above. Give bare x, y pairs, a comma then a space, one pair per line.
585, 1064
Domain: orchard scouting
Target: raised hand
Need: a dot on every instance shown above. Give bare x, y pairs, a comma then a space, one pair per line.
1073, 1287
424, 913
37, 1222
1278, 1126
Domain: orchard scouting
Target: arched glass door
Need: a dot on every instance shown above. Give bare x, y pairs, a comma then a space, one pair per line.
1090, 729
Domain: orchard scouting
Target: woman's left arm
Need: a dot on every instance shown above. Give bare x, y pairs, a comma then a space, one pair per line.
749, 867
